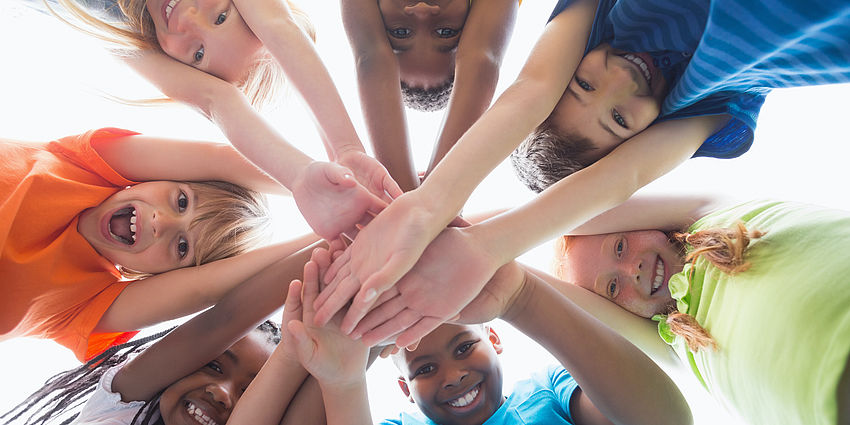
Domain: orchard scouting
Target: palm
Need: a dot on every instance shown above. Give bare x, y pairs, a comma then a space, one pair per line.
334, 357
331, 201
371, 174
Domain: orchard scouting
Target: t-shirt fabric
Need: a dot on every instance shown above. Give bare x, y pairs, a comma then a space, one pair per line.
782, 327
543, 399
734, 53
54, 284
105, 406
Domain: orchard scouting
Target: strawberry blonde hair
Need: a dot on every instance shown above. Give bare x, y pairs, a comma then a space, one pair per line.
724, 248
134, 31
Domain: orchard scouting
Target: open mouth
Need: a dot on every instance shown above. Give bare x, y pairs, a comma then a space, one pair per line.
199, 415
658, 279
466, 399
167, 8
122, 225
641, 64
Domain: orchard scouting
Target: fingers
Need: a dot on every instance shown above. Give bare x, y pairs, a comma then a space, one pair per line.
322, 258
338, 263
391, 188
416, 332
339, 296
459, 222
378, 316
310, 291
292, 306
400, 322
388, 351
369, 292
339, 175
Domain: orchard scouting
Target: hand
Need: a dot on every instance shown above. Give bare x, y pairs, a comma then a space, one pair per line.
371, 174
328, 354
332, 201
497, 296
449, 275
380, 255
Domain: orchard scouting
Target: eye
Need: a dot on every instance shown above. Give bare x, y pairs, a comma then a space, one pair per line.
584, 85
446, 32
199, 54
214, 366
619, 247
182, 201
424, 370
399, 32
619, 119
465, 347
221, 18
612, 288
182, 248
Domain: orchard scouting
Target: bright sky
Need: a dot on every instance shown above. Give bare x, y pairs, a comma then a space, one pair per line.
54, 82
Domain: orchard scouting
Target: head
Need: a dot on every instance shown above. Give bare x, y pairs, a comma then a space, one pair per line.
547, 156
612, 96
631, 269
67, 390
213, 390
157, 226
454, 376
209, 35
424, 36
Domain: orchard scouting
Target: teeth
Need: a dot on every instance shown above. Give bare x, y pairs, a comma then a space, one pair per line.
170, 7
134, 238
465, 399
641, 64
132, 227
659, 275
133, 218
198, 415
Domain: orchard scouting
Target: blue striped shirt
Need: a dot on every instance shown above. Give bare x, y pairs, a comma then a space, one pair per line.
733, 53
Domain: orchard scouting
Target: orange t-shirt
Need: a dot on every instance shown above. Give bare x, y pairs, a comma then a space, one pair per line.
54, 284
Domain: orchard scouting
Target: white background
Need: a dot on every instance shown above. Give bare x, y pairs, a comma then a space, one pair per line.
54, 82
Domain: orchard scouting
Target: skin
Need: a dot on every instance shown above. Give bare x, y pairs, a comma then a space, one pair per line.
424, 37
622, 267
164, 239
447, 364
207, 34
216, 387
612, 94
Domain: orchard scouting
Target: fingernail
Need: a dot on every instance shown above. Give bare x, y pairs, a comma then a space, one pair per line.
370, 295
346, 176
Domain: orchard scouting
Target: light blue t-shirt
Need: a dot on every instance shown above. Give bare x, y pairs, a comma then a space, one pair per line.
543, 399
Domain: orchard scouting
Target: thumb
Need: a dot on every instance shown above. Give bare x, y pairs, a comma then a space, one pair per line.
304, 345
339, 175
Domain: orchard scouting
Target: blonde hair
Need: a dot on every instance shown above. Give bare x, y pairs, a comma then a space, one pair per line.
135, 31
233, 220
724, 248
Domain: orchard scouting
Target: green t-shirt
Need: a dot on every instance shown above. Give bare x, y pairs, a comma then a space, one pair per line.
783, 326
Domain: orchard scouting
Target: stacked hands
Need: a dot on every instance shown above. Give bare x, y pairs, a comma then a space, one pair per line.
399, 280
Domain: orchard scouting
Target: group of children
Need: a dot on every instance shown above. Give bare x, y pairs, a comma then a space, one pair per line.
111, 231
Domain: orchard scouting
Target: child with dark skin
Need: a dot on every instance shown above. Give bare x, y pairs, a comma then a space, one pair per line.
454, 375
441, 53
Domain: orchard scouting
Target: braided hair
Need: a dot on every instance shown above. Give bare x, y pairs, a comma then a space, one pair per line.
64, 394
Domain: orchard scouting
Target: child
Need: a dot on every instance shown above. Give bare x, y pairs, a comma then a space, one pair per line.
422, 214
246, 42
454, 375
196, 373
759, 277
72, 211
425, 47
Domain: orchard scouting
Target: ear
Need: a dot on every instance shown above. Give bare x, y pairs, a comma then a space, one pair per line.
494, 340
404, 388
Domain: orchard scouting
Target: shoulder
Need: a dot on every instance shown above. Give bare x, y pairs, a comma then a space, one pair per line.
105, 405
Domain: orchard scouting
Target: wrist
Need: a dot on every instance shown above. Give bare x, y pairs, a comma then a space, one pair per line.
519, 303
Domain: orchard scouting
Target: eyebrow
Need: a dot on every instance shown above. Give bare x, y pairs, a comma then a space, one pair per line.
229, 354
608, 129
449, 346
602, 249
601, 122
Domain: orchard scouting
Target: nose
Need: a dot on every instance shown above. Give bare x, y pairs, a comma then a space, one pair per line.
632, 267
221, 394
422, 9
163, 223
189, 22
454, 377
621, 80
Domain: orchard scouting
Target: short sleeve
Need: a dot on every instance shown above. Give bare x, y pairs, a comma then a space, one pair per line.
80, 151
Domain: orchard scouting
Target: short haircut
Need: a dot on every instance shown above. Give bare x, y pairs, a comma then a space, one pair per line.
430, 99
548, 155
233, 219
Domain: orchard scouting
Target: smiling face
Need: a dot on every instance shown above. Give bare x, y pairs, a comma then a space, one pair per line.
424, 36
213, 390
632, 269
454, 376
613, 96
145, 227
207, 34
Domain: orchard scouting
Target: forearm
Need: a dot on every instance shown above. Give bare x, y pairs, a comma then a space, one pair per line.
306, 404
347, 404
270, 394
612, 372
192, 289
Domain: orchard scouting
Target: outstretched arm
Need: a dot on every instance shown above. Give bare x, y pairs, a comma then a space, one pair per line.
379, 86
180, 292
482, 45
207, 335
272, 22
